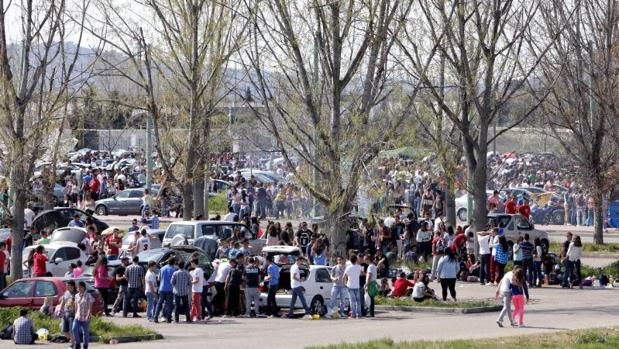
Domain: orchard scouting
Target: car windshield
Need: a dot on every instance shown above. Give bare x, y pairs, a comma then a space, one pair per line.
499, 221
179, 229
152, 255
72, 235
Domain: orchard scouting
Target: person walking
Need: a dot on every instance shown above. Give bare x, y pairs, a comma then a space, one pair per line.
251, 276
135, 286
121, 281
504, 291
272, 278
338, 288
351, 276
81, 323
103, 281
296, 285
164, 303
518, 290
150, 280
574, 253
181, 286
447, 271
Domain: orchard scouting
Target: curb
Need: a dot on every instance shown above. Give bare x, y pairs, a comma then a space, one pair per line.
128, 339
441, 310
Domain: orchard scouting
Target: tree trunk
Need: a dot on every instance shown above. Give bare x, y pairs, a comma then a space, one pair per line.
450, 204
205, 193
198, 192
336, 231
18, 181
187, 199
598, 216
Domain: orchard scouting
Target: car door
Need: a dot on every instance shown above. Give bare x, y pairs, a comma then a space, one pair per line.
323, 283
42, 290
134, 203
57, 263
18, 294
118, 203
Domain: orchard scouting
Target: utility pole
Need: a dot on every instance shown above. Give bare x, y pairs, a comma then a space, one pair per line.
315, 211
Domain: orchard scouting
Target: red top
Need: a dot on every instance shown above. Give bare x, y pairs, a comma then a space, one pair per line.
39, 264
459, 241
111, 241
510, 207
525, 210
2, 261
94, 185
435, 245
400, 286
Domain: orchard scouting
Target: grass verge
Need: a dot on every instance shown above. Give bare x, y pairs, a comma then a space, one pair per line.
588, 247
99, 327
407, 302
602, 338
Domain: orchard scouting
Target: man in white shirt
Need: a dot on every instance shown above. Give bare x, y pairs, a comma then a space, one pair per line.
221, 274
296, 285
143, 243
197, 285
151, 290
483, 239
351, 276
28, 216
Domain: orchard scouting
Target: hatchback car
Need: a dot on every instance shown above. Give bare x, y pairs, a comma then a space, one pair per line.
60, 217
60, 255
31, 293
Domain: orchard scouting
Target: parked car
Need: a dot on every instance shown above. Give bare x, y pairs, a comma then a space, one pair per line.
550, 213
162, 255
462, 205
177, 232
31, 293
613, 214
317, 286
60, 217
514, 226
126, 202
60, 255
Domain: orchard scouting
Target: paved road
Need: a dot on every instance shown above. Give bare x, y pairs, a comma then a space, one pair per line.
552, 309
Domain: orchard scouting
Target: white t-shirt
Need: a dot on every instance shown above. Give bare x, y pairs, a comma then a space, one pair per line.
151, 279
494, 242
222, 272
197, 274
419, 290
484, 244
28, 217
352, 272
143, 243
389, 221
506, 282
372, 270
295, 271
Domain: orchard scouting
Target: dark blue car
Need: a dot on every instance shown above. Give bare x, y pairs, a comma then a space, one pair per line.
613, 214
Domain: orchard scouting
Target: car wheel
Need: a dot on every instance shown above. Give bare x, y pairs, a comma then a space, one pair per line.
317, 306
558, 218
101, 210
462, 215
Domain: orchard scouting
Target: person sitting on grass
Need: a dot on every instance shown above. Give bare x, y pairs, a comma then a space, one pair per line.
421, 291
384, 289
401, 286
23, 329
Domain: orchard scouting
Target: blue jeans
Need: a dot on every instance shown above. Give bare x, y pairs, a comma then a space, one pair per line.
355, 305
536, 274
298, 292
131, 297
567, 275
83, 325
337, 292
182, 303
164, 302
151, 303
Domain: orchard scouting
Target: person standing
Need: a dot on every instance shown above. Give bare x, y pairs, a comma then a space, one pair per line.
232, 288
338, 288
438, 251
221, 274
518, 251
447, 271
197, 286
67, 303
296, 286
527, 258
251, 276
165, 292
150, 280
4, 261
121, 281
135, 286
273, 278
371, 284
501, 258
538, 254
113, 245
181, 283
483, 239
566, 261
574, 252
352, 274
81, 323
103, 281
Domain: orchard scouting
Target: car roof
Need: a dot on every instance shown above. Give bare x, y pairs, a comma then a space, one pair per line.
281, 248
207, 223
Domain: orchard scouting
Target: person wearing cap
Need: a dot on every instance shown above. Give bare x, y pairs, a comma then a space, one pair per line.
121, 281
76, 222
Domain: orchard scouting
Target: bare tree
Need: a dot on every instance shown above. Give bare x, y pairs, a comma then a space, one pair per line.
583, 107
331, 107
34, 88
484, 44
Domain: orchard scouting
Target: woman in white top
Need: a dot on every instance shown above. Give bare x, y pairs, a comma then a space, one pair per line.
573, 254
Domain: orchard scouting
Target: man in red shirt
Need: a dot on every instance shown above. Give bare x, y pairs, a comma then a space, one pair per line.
400, 286
113, 244
459, 244
39, 267
510, 205
94, 186
525, 209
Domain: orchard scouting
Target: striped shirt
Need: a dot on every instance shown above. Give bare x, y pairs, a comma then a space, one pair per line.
527, 250
181, 282
135, 276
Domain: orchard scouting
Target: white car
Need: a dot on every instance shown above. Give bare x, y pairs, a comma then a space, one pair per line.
317, 286
514, 226
177, 232
60, 255
462, 206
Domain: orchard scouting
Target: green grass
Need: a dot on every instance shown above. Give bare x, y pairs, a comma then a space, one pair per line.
407, 302
588, 247
104, 329
218, 204
603, 338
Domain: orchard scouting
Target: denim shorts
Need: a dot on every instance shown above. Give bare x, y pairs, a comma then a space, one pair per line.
67, 322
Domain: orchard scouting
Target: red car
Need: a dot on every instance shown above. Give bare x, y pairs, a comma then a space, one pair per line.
31, 293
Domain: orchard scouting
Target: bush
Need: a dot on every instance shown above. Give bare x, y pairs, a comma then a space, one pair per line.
218, 203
